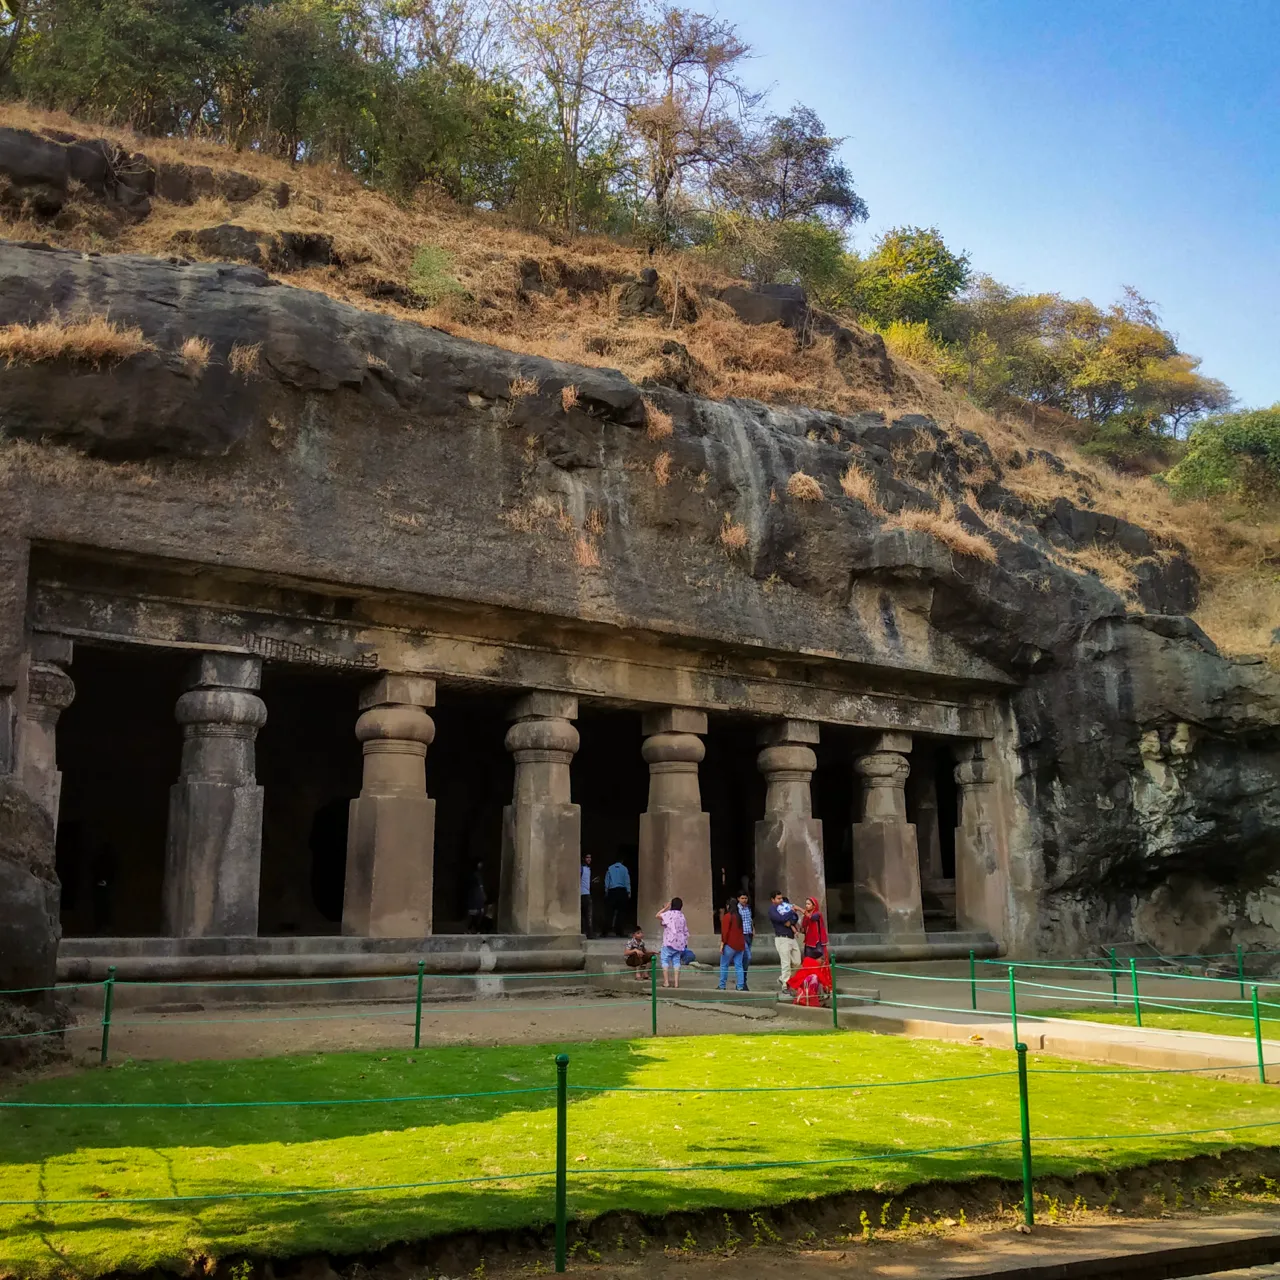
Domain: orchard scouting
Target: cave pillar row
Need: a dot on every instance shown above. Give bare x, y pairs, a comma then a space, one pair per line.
982, 847
541, 827
48, 693
675, 834
886, 859
788, 840
213, 859
392, 823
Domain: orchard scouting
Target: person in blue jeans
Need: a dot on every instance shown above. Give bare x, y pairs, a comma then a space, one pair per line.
732, 946
748, 935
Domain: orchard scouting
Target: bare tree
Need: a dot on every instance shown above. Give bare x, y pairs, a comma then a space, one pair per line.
585, 53
691, 117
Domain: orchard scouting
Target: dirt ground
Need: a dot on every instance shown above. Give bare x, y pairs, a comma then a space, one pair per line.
194, 1032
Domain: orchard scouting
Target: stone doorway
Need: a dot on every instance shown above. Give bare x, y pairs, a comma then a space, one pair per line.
733, 791
932, 807
309, 765
837, 801
611, 787
119, 748
469, 775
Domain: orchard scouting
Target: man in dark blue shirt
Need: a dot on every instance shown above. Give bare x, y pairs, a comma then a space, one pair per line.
784, 918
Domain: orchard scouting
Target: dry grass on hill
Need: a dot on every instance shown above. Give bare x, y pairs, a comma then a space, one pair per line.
94, 340
376, 240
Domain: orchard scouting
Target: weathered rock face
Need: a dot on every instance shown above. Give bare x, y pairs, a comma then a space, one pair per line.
29, 928
329, 445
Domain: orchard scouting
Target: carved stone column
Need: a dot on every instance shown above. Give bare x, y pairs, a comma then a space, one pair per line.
541, 827
213, 861
789, 838
886, 862
391, 830
982, 853
675, 835
49, 692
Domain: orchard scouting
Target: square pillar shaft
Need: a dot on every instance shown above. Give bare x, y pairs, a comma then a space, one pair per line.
541, 827
675, 835
392, 823
788, 839
213, 858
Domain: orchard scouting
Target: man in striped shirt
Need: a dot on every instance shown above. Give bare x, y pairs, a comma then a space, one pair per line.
748, 933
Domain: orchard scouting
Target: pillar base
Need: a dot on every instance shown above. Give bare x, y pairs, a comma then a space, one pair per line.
789, 858
388, 889
675, 861
886, 880
540, 869
213, 861
980, 886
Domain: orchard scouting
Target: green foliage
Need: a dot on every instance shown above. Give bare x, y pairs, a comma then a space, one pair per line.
430, 275
910, 276
1234, 455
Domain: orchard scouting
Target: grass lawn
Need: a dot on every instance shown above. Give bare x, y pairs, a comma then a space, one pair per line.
1214, 1018
106, 1156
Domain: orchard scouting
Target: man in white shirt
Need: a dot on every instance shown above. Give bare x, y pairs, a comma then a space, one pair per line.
585, 892
617, 896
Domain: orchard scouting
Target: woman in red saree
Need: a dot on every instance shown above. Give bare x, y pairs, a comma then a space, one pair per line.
812, 980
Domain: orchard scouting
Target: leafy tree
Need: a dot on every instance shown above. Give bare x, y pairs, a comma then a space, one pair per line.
790, 173
911, 275
1234, 455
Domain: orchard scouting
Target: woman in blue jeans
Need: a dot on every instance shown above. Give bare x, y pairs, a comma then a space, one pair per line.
732, 945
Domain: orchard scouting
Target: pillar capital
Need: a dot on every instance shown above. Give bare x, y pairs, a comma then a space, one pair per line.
673, 720
532, 740
883, 769
399, 690
540, 705
778, 732
50, 692
225, 671
673, 753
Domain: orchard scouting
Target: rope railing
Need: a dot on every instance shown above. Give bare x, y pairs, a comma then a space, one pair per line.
1024, 1139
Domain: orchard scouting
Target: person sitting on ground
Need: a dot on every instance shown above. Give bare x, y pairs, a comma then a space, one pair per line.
675, 941
636, 955
732, 945
784, 919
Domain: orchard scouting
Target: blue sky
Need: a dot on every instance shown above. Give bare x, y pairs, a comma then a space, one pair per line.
1067, 146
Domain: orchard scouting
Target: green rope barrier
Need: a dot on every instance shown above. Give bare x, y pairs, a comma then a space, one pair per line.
272, 1102
784, 1088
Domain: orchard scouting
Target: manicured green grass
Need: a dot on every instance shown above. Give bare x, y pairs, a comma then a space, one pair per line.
108, 1156
1219, 1019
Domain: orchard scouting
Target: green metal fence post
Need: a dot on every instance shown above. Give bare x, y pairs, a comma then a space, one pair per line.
1137, 999
1024, 1110
417, 1015
1115, 984
562, 1158
108, 994
973, 982
653, 994
1240, 967
835, 1002
1013, 1003
1257, 1036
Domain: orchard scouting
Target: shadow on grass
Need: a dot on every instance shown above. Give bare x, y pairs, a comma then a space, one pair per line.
498, 1075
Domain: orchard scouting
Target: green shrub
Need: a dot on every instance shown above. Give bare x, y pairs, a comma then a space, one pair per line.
430, 275
1233, 455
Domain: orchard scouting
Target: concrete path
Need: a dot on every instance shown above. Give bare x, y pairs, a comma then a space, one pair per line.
1098, 1250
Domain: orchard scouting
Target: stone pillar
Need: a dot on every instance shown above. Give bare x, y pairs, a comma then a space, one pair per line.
789, 838
675, 835
49, 692
391, 831
982, 855
213, 861
886, 862
541, 827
